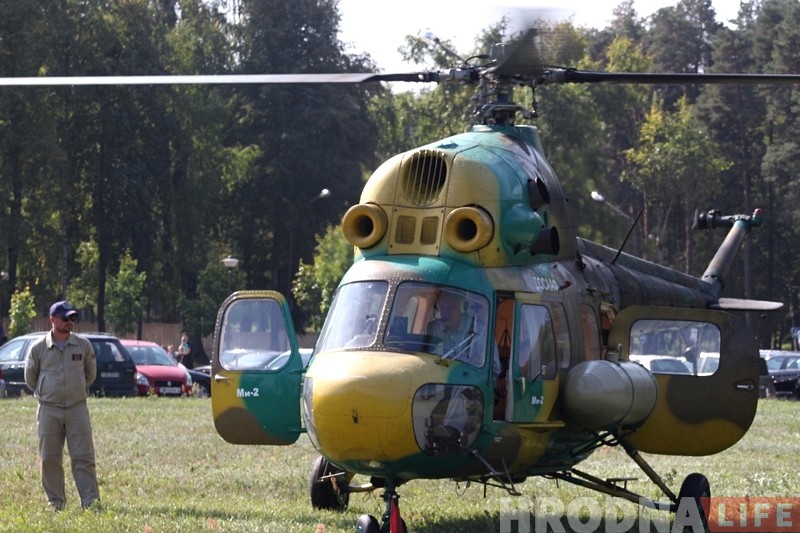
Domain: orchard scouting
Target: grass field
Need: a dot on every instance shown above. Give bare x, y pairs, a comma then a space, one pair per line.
162, 468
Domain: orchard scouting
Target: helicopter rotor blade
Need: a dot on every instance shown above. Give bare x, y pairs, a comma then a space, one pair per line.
360, 77
566, 75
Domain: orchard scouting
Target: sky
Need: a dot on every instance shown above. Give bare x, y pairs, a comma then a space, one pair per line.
379, 27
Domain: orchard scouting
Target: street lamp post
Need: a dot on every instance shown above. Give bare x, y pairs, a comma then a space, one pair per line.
230, 263
324, 193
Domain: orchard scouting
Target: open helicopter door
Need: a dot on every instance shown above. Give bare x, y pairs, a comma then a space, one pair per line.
710, 405
256, 370
532, 384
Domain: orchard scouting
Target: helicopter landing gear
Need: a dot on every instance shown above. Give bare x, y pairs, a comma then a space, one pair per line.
328, 486
392, 521
697, 490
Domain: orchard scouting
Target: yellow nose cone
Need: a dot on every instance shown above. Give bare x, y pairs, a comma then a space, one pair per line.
362, 404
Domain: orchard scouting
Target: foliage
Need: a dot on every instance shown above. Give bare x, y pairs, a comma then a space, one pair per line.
125, 297
315, 284
176, 174
673, 151
21, 313
200, 313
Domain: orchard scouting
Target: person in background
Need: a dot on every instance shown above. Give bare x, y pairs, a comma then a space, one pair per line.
171, 351
184, 353
59, 368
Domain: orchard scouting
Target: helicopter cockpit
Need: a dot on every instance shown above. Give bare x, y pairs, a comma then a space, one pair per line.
419, 317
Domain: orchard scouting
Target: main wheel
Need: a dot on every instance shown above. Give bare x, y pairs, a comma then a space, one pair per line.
326, 492
695, 487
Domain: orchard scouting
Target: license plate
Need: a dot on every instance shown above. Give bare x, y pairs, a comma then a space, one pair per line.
170, 390
109, 375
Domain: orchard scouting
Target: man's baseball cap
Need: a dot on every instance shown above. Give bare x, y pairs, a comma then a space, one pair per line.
62, 309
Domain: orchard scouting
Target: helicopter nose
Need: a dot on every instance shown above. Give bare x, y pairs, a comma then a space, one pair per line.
357, 405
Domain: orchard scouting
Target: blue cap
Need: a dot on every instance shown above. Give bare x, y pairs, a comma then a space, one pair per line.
62, 309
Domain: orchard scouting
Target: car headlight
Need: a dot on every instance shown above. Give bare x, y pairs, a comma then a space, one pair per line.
188, 379
141, 379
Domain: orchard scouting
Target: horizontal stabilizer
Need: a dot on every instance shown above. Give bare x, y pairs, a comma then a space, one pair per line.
737, 304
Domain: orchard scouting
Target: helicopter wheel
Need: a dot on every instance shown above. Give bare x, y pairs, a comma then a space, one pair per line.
367, 524
325, 494
696, 486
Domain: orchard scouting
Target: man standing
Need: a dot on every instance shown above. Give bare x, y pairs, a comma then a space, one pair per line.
59, 368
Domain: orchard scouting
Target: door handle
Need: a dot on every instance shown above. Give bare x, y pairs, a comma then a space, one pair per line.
220, 378
521, 382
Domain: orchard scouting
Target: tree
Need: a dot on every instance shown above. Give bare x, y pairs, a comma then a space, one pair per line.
200, 313
675, 167
125, 297
679, 40
21, 313
315, 283
306, 138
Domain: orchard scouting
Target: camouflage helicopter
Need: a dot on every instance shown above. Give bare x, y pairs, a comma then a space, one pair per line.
477, 337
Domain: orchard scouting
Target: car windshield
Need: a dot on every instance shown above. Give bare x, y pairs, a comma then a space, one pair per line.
108, 352
420, 317
151, 355
12, 351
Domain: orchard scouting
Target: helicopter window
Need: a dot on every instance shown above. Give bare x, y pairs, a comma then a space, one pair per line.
536, 345
353, 318
438, 320
562, 334
447, 418
253, 336
694, 344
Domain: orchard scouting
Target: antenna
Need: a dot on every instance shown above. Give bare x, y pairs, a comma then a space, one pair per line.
599, 198
627, 236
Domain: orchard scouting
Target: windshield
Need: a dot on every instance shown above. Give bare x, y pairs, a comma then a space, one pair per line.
353, 318
434, 319
253, 336
151, 355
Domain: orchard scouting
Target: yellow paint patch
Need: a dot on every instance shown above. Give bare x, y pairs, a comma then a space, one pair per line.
362, 403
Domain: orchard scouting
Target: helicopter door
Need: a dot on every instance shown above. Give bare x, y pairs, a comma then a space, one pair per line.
702, 408
532, 385
256, 370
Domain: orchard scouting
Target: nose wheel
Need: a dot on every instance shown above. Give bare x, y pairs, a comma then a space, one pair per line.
392, 521
329, 486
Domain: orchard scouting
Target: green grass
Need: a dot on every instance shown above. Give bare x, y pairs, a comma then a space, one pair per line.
163, 468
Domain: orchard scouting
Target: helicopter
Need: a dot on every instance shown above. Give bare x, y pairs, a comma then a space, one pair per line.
477, 337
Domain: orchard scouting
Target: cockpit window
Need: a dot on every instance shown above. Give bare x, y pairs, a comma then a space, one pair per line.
438, 320
443, 321
354, 315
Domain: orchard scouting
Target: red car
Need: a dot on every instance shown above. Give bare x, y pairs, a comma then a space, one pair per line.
156, 371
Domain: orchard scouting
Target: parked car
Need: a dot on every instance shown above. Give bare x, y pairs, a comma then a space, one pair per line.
766, 383
157, 372
115, 368
661, 364
784, 367
708, 363
201, 380
12, 364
